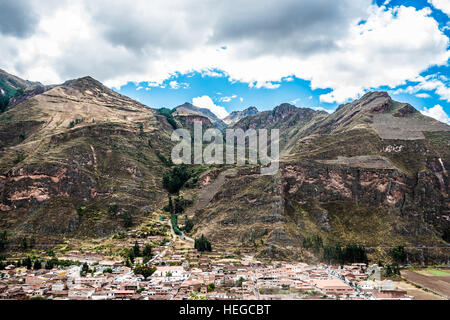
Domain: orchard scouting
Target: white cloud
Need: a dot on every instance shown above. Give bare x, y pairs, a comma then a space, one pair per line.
322, 109
443, 5
206, 102
241, 99
436, 83
228, 99
295, 101
177, 85
423, 95
267, 42
438, 113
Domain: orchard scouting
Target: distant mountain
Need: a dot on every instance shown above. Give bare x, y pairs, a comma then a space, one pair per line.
189, 109
14, 89
291, 121
235, 116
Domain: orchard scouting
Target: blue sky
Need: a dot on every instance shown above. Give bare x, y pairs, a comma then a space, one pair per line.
228, 55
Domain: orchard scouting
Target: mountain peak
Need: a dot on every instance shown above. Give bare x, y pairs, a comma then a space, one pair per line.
84, 83
284, 108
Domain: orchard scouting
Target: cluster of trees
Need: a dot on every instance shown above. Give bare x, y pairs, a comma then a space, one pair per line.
26, 244
164, 160
352, 253
399, 254
145, 271
188, 225
34, 263
126, 217
174, 221
391, 271
4, 102
446, 235
73, 123
175, 180
315, 242
3, 240
168, 114
202, 244
134, 252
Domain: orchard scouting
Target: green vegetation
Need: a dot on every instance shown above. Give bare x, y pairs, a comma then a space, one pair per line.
176, 179
145, 271
446, 235
202, 244
3, 240
174, 221
211, 287
168, 114
391, 271
127, 219
188, 225
439, 273
84, 269
166, 162
73, 123
352, 253
315, 242
4, 101
399, 254
37, 264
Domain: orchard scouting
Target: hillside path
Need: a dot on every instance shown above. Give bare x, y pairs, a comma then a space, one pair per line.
209, 191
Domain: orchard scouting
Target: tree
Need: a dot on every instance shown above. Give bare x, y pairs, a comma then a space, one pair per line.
37, 264
24, 244
136, 250
175, 180
202, 244
50, 264
446, 235
188, 225
127, 219
4, 101
131, 256
147, 251
3, 240
399, 254
145, 271
84, 269
170, 207
27, 263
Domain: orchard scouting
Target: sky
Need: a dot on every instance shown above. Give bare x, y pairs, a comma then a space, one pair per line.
229, 55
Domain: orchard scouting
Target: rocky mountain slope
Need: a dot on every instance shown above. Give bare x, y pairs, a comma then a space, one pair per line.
375, 173
79, 160
235, 116
188, 110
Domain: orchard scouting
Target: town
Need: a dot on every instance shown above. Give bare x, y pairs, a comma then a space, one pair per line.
174, 270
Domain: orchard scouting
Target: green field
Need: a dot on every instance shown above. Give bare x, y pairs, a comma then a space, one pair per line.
440, 273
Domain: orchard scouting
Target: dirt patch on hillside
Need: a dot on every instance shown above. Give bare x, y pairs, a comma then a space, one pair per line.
390, 127
370, 162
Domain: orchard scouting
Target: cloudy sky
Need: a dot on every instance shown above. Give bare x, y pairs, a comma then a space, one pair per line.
228, 55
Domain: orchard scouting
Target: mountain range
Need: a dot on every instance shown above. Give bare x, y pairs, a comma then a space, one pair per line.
374, 172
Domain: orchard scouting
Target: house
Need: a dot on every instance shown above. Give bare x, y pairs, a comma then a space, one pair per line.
333, 287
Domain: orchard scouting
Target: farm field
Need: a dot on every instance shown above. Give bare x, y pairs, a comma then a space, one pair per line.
432, 279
